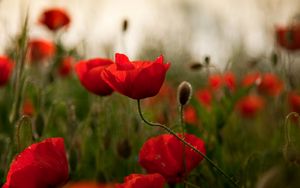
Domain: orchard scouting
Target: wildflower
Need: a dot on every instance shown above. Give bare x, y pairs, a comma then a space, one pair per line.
65, 68
250, 105
55, 18
250, 79
270, 85
289, 37
164, 155
42, 164
204, 97
6, 67
89, 74
40, 49
137, 79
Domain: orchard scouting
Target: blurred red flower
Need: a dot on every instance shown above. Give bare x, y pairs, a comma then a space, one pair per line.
143, 181
137, 79
204, 96
164, 155
42, 164
250, 79
270, 85
190, 115
66, 66
88, 185
294, 102
28, 108
55, 18
216, 81
40, 49
250, 105
6, 67
288, 37
89, 74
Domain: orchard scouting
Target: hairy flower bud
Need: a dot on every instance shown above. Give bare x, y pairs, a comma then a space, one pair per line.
184, 92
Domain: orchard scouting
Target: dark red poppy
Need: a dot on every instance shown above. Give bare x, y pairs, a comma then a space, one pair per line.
42, 164
294, 102
55, 18
143, 181
89, 74
6, 67
270, 85
164, 155
137, 79
204, 97
40, 49
190, 115
65, 67
288, 37
28, 108
250, 105
250, 79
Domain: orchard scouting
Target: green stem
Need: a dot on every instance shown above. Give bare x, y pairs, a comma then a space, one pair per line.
286, 125
185, 143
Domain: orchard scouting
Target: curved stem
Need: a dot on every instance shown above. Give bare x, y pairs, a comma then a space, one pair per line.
185, 143
286, 125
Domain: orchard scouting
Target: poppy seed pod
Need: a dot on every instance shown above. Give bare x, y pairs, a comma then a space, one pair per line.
184, 92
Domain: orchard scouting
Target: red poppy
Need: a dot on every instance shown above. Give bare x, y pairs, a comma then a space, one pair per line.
294, 102
250, 105
229, 80
89, 73
137, 79
55, 18
250, 79
143, 181
270, 85
289, 37
164, 155
88, 185
204, 97
215, 81
6, 67
40, 49
42, 164
65, 68
190, 115
28, 108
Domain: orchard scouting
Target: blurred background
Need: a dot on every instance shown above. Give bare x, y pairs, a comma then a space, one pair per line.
186, 28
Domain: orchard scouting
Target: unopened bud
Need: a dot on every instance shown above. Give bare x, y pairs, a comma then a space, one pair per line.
196, 66
184, 92
125, 25
207, 60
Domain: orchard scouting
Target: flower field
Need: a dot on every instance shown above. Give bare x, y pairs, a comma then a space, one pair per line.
70, 121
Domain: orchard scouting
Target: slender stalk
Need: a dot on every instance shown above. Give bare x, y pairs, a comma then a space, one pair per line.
286, 125
185, 143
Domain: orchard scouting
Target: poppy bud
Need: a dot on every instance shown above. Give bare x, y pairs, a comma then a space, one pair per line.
207, 60
196, 66
184, 92
24, 132
124, 148
125, 25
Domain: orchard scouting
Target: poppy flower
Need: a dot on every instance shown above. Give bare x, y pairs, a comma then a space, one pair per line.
190, 115
40, 49
294, 102
55, 18
137, 79
65, 67
6, 67
204, 97
270, 85
250, 79
250, 105
215, 81
88, 185
288, 37
89, 74
42, 164
164, 154
143, 181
